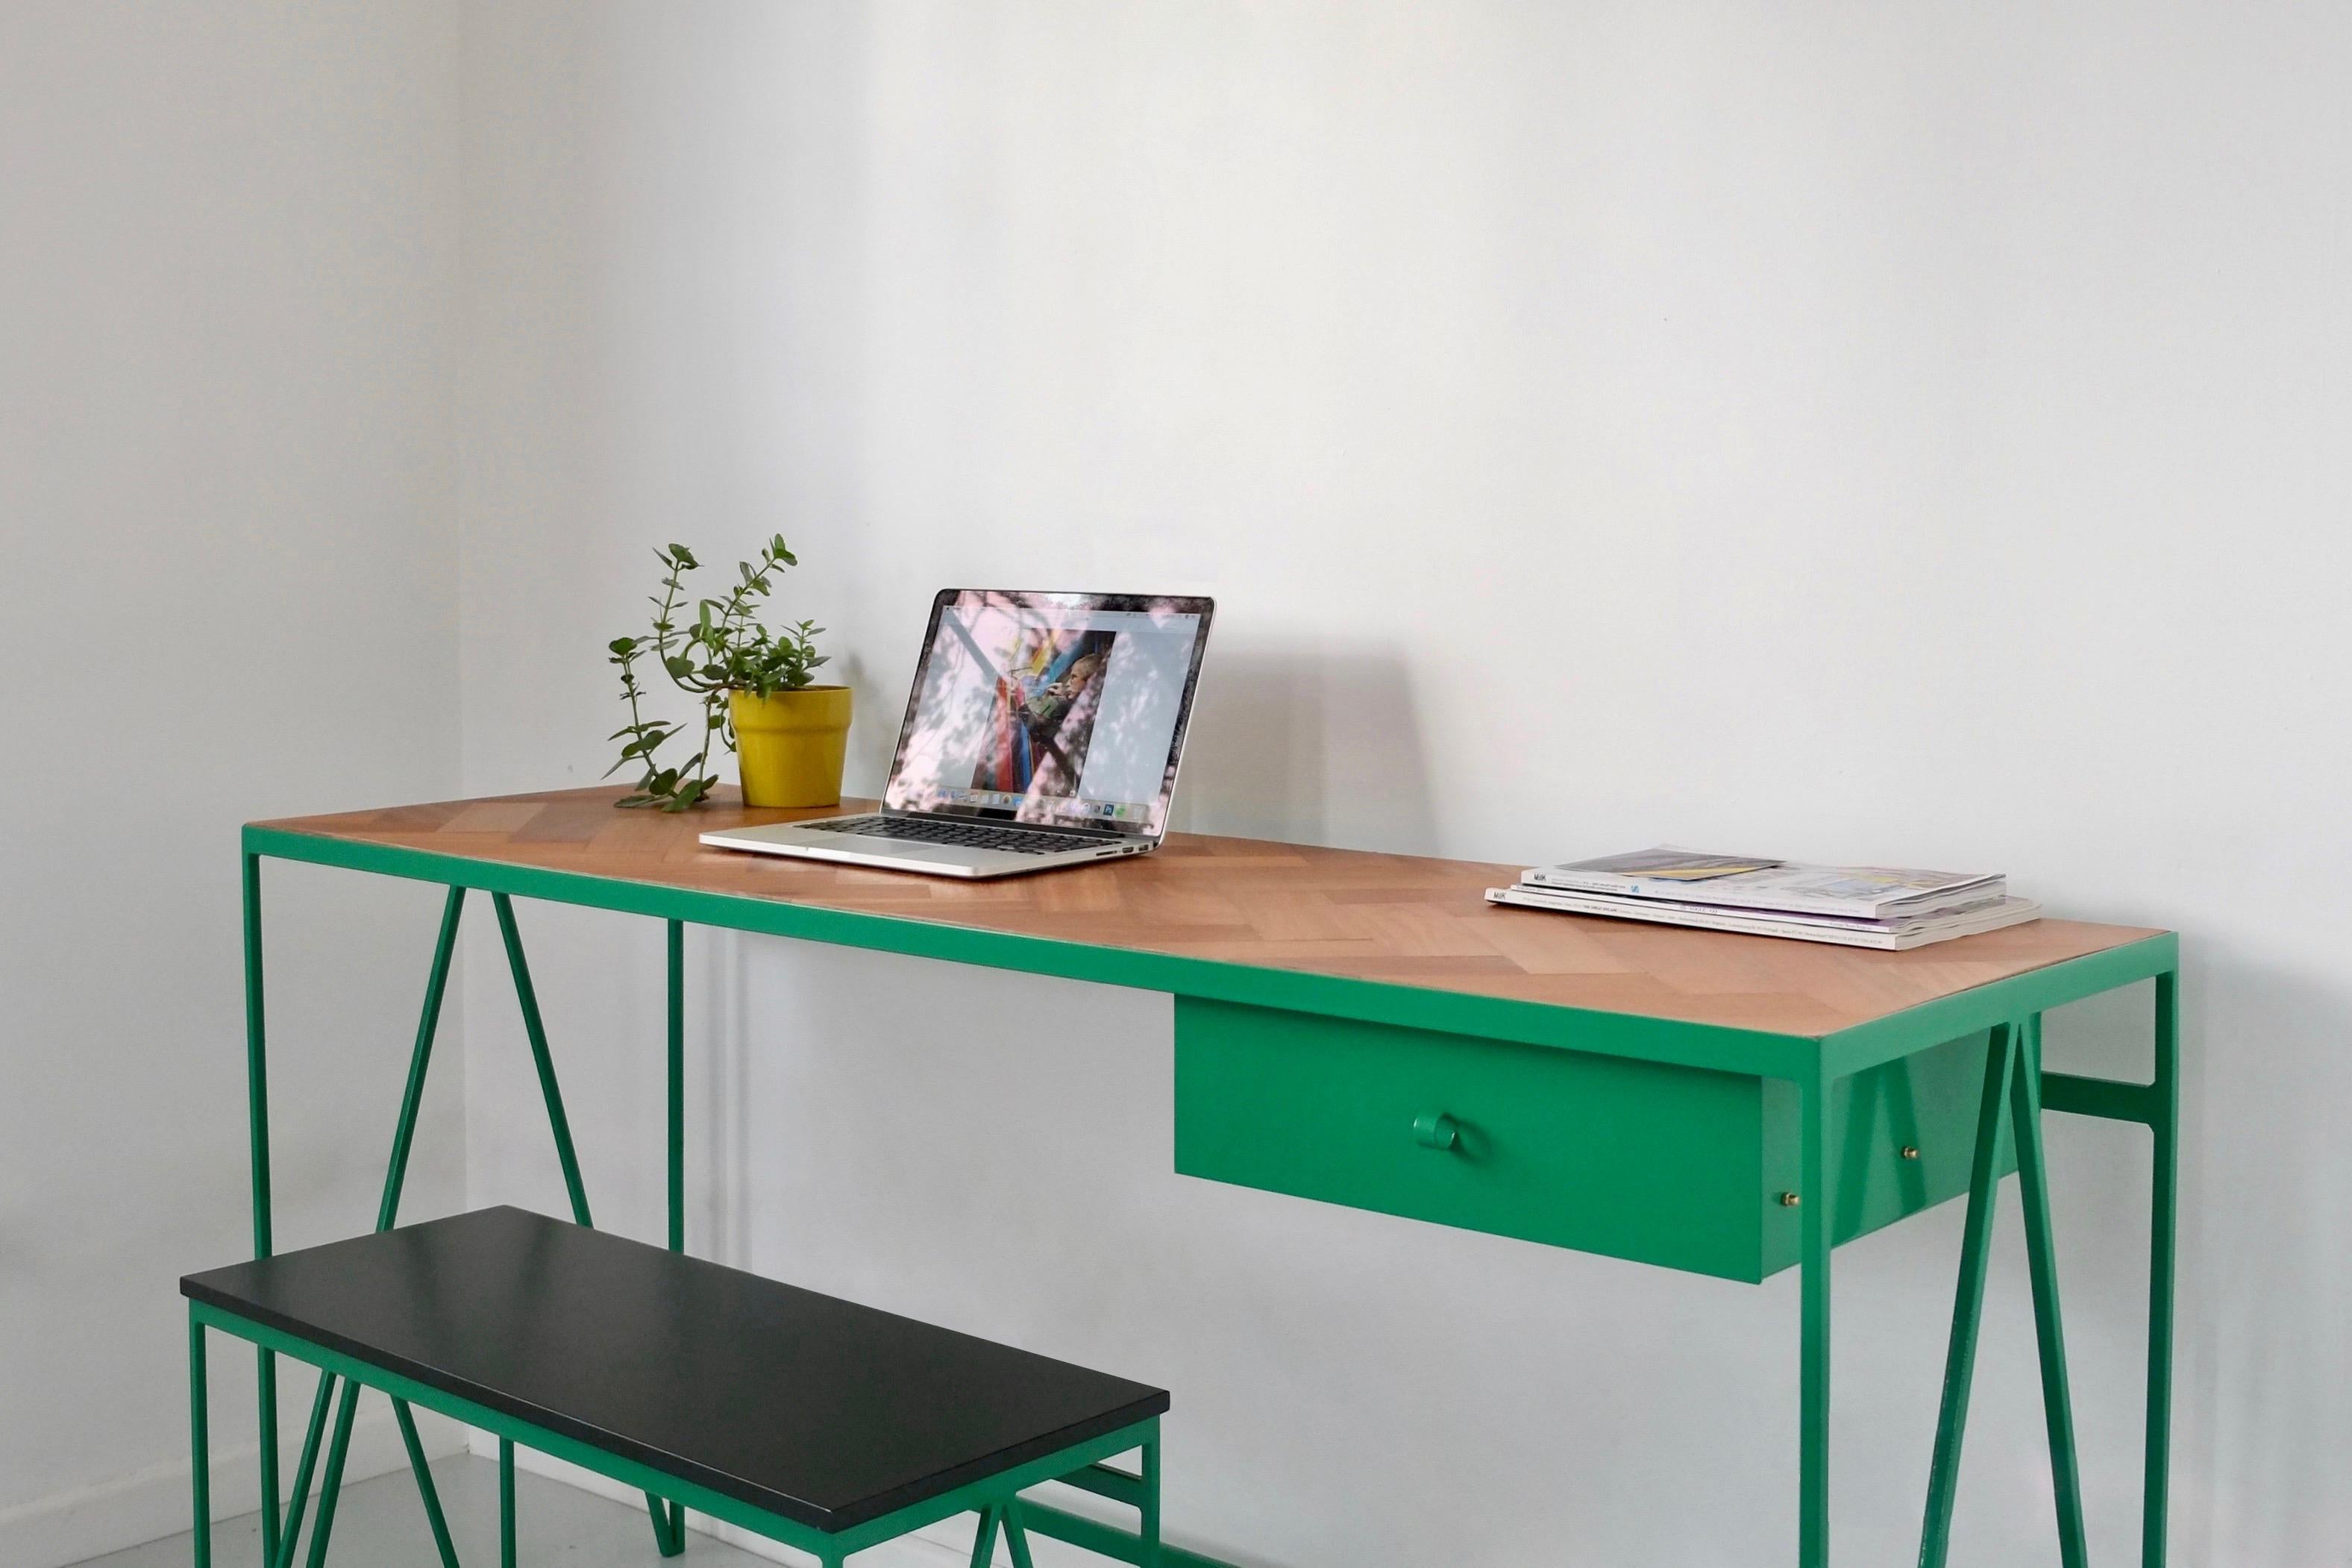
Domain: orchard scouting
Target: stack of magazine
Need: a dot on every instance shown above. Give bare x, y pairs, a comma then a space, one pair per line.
1855, 906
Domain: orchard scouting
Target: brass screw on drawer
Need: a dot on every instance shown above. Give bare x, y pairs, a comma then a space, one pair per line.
1910, 1151
1788, 1200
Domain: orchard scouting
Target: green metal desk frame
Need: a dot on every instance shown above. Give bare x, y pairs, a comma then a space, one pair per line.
2015, 1090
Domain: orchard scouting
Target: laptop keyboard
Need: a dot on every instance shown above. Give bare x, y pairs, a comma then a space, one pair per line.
960, 834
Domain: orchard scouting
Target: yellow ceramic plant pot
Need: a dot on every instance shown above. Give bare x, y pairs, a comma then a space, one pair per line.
790, 744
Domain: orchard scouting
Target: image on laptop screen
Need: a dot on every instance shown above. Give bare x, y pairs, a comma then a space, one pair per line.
1057, 708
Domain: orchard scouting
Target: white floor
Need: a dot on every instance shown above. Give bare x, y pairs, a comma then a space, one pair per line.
379, 1524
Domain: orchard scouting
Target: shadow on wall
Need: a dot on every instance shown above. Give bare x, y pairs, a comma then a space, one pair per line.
1321, 745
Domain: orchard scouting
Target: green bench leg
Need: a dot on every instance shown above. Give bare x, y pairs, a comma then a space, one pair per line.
669, 1525
1017, 1539
1150, 1526
505, 1503
331, 1487
200, 1446
296, 1504
265, 1381
425, 1490
1140, 1491
1007, 1516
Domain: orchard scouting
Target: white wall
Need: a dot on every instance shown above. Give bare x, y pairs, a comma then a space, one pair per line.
228, 558
1885, 433
1872, 439
1896, 433
1871, 433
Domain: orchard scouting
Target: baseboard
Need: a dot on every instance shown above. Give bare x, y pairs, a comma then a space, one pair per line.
947, 1544
150, 1504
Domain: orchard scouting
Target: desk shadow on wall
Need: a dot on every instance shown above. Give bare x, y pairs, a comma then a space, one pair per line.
1318, 744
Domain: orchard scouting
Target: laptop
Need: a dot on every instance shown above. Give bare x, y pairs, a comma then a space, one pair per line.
1043, 730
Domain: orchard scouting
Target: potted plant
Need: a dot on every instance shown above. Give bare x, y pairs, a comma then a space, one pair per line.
754, 689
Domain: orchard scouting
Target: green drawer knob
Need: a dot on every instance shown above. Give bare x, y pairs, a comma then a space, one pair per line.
1435, 1130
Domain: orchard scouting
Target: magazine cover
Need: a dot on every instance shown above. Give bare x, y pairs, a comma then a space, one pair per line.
1869, 893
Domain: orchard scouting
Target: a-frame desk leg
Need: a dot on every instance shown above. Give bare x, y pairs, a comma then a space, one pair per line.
1813, 1197
1976, 1247
2041, 1264
2012, 1089
280, 1529
2163, 1109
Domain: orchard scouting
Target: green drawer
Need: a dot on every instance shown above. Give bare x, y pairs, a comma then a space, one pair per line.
1676, 1166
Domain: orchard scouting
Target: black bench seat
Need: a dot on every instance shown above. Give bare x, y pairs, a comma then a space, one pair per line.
815, 1410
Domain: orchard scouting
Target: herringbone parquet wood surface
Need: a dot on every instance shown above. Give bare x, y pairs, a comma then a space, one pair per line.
1401, 918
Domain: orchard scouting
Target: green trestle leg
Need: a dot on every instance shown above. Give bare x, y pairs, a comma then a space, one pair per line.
669, 1520
1960, 1359
280, 1534
669, 1525
2034, 1190
420, 1060
257, 1085
2012, 1085
2164, 1122
527, 997
676, 946
396, 1177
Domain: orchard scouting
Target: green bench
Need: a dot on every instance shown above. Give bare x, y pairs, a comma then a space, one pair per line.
816, 1422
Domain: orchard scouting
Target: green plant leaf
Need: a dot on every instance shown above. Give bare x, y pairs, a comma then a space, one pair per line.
722, 648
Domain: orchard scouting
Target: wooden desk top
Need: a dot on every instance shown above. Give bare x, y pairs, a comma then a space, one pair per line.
1396, 920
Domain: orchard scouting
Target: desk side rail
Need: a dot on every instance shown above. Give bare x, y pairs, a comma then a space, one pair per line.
1984, 1007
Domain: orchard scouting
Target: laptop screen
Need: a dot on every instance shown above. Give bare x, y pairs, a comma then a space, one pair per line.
1066, 708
